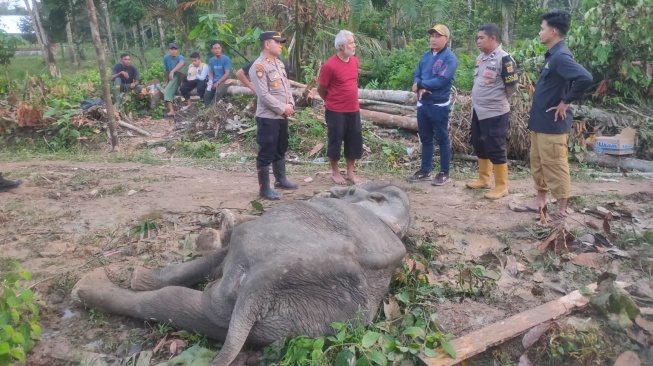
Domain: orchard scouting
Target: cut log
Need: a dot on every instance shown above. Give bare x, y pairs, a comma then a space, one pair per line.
606, 118
623, 163
388, 109
392, 96
368, 102
478, 341
389, 120
133, 128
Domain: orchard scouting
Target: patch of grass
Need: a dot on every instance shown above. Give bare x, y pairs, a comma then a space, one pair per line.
97, 318
114, 190
64, 284
563, 345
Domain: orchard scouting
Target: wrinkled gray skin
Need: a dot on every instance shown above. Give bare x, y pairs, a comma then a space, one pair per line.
299, 267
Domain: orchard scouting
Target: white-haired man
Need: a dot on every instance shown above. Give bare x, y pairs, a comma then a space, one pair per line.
338, 87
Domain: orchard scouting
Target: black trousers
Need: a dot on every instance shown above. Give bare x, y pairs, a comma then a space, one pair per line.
189, 85
272, 139
344, 127
489, 137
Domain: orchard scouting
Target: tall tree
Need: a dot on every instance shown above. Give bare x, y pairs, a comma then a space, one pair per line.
162, 37
37, 32
69, 35
507, 9
44, 35
102, 65
105, 9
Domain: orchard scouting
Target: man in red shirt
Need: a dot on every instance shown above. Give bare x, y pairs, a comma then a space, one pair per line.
338, 87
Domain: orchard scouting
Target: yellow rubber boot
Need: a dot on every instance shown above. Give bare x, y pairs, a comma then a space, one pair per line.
500, 182
484, 175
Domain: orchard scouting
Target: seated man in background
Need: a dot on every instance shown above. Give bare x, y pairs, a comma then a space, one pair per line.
125, 76
219, 71
196, 78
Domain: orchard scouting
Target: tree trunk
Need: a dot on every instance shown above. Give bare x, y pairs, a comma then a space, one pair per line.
619, 162
505, 29
143, 33
69, 36
135, 36
112, 50
389, 120
102, 65
162, 36
44, 36
37, 31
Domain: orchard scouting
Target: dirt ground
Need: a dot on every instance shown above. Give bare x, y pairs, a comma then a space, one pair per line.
68, 218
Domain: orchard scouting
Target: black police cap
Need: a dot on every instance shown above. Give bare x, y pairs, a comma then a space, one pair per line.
272, 35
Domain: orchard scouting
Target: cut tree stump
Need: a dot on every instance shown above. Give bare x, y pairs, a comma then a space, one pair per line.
480, 340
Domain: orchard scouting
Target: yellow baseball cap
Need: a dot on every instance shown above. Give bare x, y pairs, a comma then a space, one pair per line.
441, 30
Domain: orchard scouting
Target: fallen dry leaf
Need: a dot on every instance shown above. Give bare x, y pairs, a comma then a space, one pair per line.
420, 266
644, 324
538, 276
391, 309
315, 149
543, 215
638, 336
160, 344
628, 358
513, 267
545, 244
592, 260
591, 225
411, 264
606, 224
534, 334
177, 346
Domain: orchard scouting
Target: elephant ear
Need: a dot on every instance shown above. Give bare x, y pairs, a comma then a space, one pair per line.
377, 197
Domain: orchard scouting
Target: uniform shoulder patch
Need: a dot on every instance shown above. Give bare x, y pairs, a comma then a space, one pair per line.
259, 67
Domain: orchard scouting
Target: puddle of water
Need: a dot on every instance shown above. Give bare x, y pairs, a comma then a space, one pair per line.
68, 314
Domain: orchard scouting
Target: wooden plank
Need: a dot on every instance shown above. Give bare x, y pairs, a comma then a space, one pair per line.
480, 340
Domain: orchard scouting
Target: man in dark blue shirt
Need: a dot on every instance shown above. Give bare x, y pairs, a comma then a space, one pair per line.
562, 81
432, 81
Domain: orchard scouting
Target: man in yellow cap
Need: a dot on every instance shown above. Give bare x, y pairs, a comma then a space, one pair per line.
433, 79
274, 105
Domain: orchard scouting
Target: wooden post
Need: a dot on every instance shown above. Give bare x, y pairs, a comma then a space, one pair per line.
106, 93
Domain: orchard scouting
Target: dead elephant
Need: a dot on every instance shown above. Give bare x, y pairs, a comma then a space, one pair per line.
295, 270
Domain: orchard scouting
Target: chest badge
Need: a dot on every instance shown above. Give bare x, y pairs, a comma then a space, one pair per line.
259, 73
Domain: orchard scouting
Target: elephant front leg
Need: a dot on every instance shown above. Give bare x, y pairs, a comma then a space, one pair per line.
178, 306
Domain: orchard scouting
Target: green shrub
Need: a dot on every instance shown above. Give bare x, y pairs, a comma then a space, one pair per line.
19, 316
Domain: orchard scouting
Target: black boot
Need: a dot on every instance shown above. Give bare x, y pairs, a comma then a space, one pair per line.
264, 189
279, 171
6, 185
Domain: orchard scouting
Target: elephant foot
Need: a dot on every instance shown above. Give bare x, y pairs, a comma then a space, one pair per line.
92, 288
142, 280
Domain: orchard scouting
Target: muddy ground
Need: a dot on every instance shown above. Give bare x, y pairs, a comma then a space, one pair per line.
68, 218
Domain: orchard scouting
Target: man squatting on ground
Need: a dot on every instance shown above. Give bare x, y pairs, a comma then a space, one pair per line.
219, 71
172, 63
274, 105
495, 81
197, 75
125, 76
433, 79
562, 81
338, 87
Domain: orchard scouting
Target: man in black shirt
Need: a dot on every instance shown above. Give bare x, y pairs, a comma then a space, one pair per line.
562, 81
125, 76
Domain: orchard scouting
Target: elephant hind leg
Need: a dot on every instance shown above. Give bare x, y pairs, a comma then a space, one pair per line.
185, 274
178, 306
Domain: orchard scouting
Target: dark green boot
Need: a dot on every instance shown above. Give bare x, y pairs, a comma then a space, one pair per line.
279, 171
264, 189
